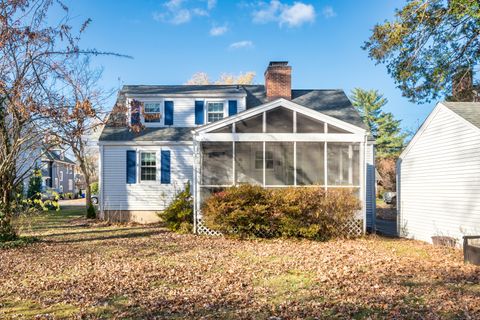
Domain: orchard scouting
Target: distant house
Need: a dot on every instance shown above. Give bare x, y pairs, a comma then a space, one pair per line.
438, 175
58, 171
216, 136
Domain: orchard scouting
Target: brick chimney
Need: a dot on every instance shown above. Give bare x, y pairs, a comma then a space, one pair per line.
278, 80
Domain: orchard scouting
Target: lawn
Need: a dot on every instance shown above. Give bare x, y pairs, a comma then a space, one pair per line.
81, 269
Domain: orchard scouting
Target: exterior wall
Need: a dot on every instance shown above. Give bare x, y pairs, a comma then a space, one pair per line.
184, 108
370, 197
147, 196
439, 180
144, 217
68, 174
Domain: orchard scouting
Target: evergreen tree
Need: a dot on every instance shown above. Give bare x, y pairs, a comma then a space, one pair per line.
383, 127
35, 184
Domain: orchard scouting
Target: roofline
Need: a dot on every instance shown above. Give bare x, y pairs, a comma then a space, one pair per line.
277, 103
460, 117
426, 123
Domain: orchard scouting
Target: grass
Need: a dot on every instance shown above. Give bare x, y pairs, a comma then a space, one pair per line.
81, 268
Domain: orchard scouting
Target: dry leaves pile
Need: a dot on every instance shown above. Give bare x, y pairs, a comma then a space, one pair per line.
93, 271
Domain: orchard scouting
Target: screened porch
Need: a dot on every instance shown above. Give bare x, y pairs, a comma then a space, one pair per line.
279, 147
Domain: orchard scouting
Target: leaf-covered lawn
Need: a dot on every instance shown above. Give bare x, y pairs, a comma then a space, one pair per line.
79, 269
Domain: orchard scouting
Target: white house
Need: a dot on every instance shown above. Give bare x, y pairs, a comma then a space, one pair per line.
438, 175
217, 136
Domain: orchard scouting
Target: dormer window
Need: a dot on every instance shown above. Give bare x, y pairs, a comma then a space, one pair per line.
152, 113
215, 111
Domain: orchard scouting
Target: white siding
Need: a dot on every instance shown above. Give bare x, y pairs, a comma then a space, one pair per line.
439, 180
370, 187
184, 108
118, 195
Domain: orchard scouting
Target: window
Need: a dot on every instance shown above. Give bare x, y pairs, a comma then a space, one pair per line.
148, 168
70, 184
61, 175
268, 160
152, 112
56, 183
214, 111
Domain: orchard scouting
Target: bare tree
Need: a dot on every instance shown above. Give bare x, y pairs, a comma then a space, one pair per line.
201, 78
32, 51
82, 114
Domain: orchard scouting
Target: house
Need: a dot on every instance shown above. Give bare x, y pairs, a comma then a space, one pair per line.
217, 136
58, 171
438, 175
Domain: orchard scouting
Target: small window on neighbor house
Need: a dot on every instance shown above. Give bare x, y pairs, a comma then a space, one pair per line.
70, 184
61, 175
56, 183
152, 112
214, 111
148, 166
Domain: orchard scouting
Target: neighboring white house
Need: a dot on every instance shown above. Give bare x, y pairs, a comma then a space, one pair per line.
438, 175
217, 136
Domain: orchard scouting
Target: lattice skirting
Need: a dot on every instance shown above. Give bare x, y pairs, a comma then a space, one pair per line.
353, 228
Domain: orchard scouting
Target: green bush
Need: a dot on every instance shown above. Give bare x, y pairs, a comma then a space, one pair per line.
91, 212
94, 188
310, 213
35, 185
178, 216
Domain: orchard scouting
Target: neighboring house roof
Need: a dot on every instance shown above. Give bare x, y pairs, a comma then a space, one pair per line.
50, 156
333, 103
470, 111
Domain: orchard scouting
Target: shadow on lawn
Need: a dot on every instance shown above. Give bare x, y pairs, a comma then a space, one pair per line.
112, 236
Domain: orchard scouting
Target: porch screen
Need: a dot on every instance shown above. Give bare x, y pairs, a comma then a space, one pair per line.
343, 164
217, 163
306, 124
250, 125
249, 162
310, 163
279, 120
279, 168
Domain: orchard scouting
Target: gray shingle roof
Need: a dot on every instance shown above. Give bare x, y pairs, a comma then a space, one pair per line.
470, 111
333, 103
147, 134
51, 156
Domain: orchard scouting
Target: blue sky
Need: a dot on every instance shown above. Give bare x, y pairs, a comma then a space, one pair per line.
171, 40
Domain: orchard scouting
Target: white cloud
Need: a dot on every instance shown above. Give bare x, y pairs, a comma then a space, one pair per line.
246, 44
177, 12
328, 12
211, 4
292, 15
218, 31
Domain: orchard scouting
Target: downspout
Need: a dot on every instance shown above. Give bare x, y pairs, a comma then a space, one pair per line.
195, 193
364, 183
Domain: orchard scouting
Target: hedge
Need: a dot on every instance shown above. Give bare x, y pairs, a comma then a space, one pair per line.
253, 211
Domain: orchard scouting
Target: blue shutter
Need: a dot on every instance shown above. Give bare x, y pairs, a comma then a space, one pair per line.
165, 169
168, 113
131, 166
232, 107
199, 112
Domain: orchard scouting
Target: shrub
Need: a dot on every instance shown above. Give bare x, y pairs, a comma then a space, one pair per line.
310, 213
178, 216
244, 210
91, 212
94, 187
35, 185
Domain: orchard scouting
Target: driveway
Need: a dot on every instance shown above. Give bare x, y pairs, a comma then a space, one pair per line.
74, 202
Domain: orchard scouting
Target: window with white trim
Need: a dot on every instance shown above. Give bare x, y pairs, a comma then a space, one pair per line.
152, 112
215, 111
61, 175
148, 166
70, 185
259, 160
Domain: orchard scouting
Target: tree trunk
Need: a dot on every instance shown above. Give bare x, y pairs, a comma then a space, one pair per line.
7, 232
